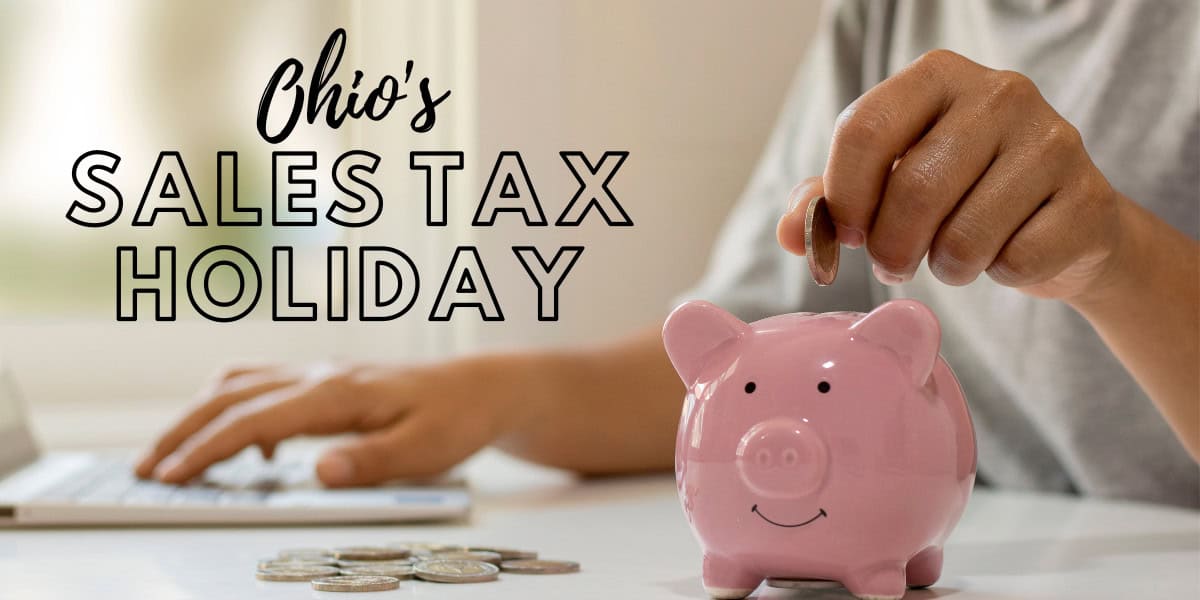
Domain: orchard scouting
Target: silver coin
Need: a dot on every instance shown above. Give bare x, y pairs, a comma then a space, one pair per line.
350, 564
427, 548
820, 242
802, 584
488, 557
295, 573
506, 553
385, 570
539, 567
369, 553
285, 563
456, 571
355, 583
305, 553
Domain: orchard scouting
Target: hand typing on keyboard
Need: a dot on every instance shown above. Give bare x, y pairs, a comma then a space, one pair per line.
414, 421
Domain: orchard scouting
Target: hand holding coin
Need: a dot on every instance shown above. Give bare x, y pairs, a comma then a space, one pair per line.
916, 175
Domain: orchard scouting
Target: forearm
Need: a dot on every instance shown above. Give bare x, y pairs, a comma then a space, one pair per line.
603, 410
1148, 313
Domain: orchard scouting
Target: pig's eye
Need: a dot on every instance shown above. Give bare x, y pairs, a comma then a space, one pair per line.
823, 387
750, 387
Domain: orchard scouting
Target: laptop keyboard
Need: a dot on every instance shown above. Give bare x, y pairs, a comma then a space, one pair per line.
236, 482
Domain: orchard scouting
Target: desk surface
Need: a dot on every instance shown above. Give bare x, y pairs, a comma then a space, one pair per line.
633, 542
629, 534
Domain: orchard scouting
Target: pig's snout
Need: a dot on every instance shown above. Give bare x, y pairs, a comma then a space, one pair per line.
782, 457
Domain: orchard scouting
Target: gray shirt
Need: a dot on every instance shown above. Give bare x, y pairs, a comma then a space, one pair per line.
1053, 408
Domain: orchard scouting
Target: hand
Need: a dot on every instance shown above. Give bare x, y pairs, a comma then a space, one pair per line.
973, 168
415, 421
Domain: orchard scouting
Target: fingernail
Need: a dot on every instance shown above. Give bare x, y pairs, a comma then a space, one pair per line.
850, 237
885, 277
335, 468
794, 197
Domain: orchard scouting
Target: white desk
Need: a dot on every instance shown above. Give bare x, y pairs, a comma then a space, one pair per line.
633, 542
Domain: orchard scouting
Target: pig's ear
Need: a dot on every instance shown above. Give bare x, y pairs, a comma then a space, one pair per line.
694, 331
907, 328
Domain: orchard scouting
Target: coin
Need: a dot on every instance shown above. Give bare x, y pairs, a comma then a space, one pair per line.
457, 571
802, 584
427, 548
539, 567
506, 553
286, 563
355, 583
370, 553
820, 242
295, 573
349, 564
488, 557
385, 570
305, 553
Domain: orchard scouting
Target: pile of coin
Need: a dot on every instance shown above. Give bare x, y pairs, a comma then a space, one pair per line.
380, 568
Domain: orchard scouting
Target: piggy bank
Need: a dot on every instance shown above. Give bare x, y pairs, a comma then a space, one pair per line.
822, 448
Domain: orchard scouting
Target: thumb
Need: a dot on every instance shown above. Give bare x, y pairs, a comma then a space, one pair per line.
790, 230
406, 449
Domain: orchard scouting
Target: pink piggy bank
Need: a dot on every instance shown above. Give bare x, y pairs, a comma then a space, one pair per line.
829, 447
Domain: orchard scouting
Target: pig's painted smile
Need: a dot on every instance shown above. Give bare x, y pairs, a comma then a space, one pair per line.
821, 513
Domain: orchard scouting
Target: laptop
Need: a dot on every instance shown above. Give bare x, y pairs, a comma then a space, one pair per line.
95, 488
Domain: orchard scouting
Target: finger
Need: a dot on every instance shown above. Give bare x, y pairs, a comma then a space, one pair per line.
234, 391
1055, 237
790, 229
240, 370
882, 125
1012, 189
232, 377
271, 418
924, 187
414, 447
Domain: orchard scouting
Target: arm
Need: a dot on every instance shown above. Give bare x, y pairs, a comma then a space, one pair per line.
973, 171
609, 409
1147, 310
605, 410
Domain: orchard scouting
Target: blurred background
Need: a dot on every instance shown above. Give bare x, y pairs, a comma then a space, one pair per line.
690, 88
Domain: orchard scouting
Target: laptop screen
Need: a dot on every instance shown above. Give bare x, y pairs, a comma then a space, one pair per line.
16, 443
